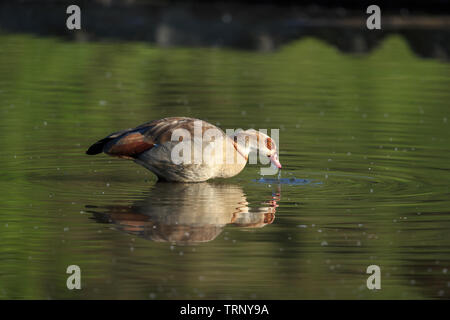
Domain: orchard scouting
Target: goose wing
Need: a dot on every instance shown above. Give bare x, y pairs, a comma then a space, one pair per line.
130, 143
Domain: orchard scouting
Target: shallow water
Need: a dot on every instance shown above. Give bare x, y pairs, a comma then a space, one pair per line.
364, 144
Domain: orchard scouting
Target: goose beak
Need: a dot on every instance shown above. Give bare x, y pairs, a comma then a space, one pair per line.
275, 161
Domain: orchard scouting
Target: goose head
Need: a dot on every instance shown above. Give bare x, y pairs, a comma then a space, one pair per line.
256, 141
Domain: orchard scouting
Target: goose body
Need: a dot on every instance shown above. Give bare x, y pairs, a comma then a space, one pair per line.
156, 146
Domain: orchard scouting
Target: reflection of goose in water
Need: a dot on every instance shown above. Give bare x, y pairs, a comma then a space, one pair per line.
187, 213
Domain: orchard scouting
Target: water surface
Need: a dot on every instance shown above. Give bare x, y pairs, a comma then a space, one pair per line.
366, 138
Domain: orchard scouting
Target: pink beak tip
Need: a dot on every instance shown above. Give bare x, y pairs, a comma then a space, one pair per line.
275, 161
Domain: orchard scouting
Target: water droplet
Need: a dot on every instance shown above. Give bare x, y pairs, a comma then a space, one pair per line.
227, 18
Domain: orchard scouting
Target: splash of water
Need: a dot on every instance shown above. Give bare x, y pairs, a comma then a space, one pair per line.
279, 180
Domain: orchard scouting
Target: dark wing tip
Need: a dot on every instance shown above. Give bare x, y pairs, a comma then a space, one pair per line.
96, 148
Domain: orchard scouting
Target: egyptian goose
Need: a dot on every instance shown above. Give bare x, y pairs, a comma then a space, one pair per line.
206, 152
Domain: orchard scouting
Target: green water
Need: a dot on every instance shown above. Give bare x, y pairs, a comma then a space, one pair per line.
369, 135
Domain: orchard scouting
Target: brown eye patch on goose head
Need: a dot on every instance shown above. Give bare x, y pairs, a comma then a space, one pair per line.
269, 143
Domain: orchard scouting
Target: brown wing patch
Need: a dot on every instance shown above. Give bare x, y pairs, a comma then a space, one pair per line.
130, 145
